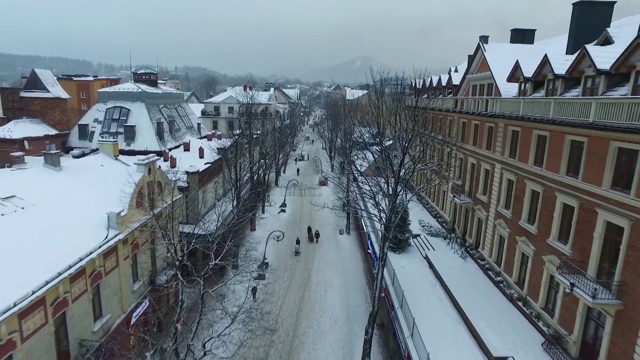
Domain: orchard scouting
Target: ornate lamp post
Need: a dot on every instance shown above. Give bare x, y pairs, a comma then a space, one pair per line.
283, 206
277, 235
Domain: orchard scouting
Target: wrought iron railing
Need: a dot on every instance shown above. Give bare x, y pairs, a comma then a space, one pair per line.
598, 290
460, 194
555, 350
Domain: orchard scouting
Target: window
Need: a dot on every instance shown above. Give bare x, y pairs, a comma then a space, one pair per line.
463, 131
459, 168
486, 180
96, 303
84, 106
230, 110
624, 170
477, 235
61, 336
83, 94
591, 85
476, 133
514, 142
551, 88
539, 149
523, 269
553, 292
481, 90
214, 125
135, 276
488, 138
500, 249
564, 219
114, 119
450, 129
531, 208
635, 86
523, 89
474, 90
216, 110
593, 334
83, 131
230, 126
508, 187
184, 117
610, 254
574, 155
490, 90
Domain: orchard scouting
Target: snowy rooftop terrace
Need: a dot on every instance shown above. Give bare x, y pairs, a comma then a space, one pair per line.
190, 160
26, 127
53, 218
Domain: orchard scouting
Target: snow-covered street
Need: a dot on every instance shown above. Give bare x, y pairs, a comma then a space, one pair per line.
315, 305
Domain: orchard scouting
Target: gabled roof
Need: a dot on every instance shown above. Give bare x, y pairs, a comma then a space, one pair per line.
353, 94
626, 55
622, 32
43, 84
294, 94
516, 74
239, 93
582, 58
25, 128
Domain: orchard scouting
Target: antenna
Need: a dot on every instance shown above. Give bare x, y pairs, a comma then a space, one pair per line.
130, 66
157, 65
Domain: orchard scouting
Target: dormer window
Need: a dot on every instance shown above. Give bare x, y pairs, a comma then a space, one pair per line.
523, 89
591, 85
171, 120
184, 117
635, 85
551, 89
114, 119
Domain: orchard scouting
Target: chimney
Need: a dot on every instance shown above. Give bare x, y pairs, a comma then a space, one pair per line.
17, 159
589, 19
522, 36
165, 155
219, 136
143, 162
469, 60
250, 87
210, 136
112, 219
484, 39
109, 147
244, 87
186, 145
172, 162
129, 133
52, 157
201, 152
199, 128
160, 130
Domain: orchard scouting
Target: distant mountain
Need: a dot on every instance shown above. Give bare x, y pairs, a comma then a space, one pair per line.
352, 71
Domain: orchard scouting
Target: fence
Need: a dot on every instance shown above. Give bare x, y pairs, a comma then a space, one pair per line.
414, 332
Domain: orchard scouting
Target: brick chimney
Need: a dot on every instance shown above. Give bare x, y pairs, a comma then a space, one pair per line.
17, 159
219, 136
199, 128
52, 157
109, 147
113, 218
484, 39
142, 163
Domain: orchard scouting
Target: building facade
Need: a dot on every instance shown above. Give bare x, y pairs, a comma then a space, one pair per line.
83, 90
545, 181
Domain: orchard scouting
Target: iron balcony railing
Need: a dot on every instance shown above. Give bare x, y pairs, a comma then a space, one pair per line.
597, 290
622, 110
555, 350
460, 195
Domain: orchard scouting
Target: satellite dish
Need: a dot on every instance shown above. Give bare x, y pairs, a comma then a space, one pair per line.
26, 144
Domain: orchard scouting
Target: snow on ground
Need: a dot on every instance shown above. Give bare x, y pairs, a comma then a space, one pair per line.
505, 331
315, 304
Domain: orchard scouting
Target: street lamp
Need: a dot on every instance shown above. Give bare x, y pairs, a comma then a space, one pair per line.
283, 206
318, 163
264, 264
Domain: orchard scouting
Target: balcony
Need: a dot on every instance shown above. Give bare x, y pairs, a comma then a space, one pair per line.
598, 293
555, 350
460, 195
599, 110
206, 113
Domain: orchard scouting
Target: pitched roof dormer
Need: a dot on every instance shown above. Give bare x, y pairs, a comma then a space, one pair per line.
583, 63
626, 62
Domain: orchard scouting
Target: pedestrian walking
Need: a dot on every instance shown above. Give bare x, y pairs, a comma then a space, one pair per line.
296, 160
298, 171
254, 291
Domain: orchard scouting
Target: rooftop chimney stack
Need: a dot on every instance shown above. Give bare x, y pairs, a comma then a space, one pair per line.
109, 147
522, 36
52, 157
589, 19
17, 159
484, 39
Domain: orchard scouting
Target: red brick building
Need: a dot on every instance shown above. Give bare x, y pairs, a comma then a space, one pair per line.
545, 182
29, 136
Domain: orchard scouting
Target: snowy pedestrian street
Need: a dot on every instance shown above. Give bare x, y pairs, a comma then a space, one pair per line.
315, 305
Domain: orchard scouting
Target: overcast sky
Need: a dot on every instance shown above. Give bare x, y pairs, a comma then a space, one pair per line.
281, 36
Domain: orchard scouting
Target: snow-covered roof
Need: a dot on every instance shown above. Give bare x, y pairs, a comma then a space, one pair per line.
190, 160
622, 32
43, 84
144, 70
138, 87
353, 94
53, 218
26, 127
456, 77
239, 94
196, 108
144, 115
292, 93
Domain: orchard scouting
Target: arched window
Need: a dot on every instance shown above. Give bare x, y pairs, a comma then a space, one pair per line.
114, 119
151, 194
159, 188
139, 199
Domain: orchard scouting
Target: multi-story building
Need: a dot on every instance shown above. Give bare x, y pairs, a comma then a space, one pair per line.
84, 274
545, 180
84, 90
143, 116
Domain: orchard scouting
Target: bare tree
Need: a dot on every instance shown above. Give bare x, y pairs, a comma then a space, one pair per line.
207, 85
396, 151
329, 129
